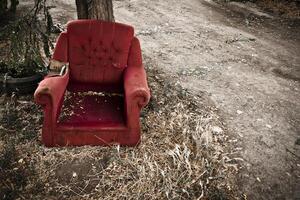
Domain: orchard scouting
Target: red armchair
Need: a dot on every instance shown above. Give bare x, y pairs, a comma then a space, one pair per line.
105, 58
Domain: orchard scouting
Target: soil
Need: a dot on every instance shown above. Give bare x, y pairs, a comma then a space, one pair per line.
241, 59
247, 62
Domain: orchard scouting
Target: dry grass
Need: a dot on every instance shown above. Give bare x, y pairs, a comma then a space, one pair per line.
185, 153
286, 8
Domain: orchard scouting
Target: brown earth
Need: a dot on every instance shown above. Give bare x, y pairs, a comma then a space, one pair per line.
248, 63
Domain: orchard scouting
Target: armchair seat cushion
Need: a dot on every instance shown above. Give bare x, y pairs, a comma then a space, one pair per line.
91, 109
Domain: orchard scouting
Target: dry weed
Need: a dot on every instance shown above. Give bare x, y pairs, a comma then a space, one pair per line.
185, 153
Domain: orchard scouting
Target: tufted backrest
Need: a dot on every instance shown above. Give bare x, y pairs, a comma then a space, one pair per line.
98, 51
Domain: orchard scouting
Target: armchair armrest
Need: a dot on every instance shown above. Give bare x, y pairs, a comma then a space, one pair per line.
50, 92
136, 88
135, 79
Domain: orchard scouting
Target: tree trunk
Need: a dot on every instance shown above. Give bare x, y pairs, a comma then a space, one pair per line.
95, 9
3, 7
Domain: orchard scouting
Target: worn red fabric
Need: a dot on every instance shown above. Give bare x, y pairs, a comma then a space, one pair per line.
98, 52
103, 57
61, 48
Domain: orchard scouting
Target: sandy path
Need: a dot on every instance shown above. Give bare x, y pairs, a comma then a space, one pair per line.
188, 38
248, 65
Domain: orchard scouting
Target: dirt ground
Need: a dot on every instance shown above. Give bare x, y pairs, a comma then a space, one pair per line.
248, 63
243, 61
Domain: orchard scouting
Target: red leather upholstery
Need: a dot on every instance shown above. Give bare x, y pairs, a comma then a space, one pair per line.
103, 57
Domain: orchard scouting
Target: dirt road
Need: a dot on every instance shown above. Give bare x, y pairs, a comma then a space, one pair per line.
247, 62
235, 60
